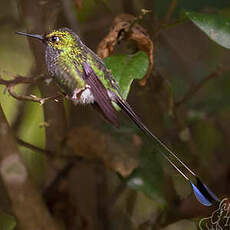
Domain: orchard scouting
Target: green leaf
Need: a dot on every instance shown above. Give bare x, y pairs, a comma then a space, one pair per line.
125, 68
216, 26
7, 222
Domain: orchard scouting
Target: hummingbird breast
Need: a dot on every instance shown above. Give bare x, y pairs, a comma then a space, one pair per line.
65, 72
52, 57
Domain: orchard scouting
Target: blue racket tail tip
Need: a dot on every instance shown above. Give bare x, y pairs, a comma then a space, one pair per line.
203, 194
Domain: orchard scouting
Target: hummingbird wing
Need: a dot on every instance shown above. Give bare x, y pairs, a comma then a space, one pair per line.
93, 59
101, 97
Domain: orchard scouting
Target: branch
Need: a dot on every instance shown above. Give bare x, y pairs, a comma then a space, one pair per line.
50, 188
48, 153
196, 87
32, 97
10, 84
33, 147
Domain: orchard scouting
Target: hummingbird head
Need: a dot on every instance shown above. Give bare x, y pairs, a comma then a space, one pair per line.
57, 39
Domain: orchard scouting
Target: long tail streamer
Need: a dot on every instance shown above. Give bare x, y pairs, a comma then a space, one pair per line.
203, 194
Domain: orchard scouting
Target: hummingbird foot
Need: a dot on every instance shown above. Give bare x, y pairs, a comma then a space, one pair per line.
82, 96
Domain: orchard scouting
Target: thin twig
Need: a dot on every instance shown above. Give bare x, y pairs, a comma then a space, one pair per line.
165, 19
10, 84
31, 97
132, 23
33, 147
196, 87
49, 153
138, 19
169, 12
54, 184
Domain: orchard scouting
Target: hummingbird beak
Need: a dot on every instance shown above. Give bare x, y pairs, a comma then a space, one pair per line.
40, 37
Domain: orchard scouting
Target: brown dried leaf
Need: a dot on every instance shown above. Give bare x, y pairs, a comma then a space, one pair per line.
125, 27
91, 143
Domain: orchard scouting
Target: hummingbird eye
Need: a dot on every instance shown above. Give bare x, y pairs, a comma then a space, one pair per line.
54, 39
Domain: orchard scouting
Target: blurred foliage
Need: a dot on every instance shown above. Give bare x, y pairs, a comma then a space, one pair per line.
15, 51
217, 100
196, 5
86, 9
184, 56
7, 222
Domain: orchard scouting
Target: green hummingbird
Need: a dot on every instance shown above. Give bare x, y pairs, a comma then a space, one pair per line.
84, 78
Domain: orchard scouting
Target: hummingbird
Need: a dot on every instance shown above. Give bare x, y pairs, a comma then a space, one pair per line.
84, 78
